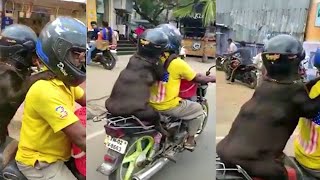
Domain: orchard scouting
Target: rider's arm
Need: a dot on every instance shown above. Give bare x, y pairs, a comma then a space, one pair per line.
55, 111
203, 79
186, 72
233, 53
80, 96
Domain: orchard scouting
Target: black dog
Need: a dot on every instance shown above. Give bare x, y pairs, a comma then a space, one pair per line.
263, 126
15, 81
131, 92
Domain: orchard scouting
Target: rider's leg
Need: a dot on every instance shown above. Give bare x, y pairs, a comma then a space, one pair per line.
43, 171
233, 72
93, 47
193, 113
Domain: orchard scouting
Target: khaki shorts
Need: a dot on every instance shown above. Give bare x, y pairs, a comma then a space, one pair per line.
45, 171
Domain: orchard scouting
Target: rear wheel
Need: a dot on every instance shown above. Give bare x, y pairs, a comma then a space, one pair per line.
135, 158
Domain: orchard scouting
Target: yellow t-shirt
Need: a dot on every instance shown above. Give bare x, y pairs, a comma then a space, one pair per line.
49, 108
307, 144
165, 93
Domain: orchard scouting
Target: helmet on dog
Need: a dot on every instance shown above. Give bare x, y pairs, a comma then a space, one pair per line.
175, 37
152, 43
282, 56
18, 42
59, 44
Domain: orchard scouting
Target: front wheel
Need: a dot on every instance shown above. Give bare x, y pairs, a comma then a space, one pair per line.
108, 60
135, 158
252, 80
205, 107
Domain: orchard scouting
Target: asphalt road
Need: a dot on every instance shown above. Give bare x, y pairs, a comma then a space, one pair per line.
189, 166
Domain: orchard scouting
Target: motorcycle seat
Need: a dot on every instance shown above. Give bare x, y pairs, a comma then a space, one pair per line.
12, 172
8, 151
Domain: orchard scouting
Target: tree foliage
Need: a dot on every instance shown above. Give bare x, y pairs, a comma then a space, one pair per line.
151, 10
186, 8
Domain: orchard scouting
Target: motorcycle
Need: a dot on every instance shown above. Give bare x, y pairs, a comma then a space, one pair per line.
136, 150
106, 58
9, 169
220, 62
245, 74
294, 169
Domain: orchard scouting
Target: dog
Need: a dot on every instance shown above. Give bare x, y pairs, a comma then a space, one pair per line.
131, 92
15, 81
263, 126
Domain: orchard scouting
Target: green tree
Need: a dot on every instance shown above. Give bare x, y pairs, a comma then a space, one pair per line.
151, 10
186, 8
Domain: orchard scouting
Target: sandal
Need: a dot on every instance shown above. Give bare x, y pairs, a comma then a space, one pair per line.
190, 147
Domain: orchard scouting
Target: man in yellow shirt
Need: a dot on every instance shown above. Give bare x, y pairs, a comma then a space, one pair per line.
307, 144
165, 94
49, 124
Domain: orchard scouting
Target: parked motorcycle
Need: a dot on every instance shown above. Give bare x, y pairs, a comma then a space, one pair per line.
9, 169
220, 62
136, 150
295, 171
106, 58
245, 74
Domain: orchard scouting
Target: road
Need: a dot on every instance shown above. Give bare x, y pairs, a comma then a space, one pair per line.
189, 166
230, 98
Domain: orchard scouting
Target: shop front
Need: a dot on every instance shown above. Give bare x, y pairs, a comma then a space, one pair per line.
36, 14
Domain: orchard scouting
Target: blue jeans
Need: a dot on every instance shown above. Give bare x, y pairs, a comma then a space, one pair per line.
93, 47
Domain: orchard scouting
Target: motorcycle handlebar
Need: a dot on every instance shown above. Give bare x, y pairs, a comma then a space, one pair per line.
209, 71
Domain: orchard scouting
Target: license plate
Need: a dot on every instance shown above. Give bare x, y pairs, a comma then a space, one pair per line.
116, 144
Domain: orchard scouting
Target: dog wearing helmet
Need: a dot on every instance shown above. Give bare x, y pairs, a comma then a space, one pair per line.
264, 124
17, 50
131, 92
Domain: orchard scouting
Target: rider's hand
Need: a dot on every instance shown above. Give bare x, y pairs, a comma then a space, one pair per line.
212, 78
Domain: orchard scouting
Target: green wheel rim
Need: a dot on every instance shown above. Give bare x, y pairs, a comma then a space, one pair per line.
142, 145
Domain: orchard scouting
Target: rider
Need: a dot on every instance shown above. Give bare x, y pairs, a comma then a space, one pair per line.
307, 145
232, 46
94, 36
106, 33
49, 124
165, 94
245, 58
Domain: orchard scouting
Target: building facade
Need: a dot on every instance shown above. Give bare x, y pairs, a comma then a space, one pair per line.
37, 13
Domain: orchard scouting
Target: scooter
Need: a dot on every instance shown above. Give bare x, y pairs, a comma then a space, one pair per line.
9, 169
294, 169
136, 150
106, 58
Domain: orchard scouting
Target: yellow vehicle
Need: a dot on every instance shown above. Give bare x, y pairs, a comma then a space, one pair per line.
198, 41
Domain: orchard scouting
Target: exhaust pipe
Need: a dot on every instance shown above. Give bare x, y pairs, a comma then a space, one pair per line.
148, 172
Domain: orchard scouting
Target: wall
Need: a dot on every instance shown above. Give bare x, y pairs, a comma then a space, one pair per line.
312, 32
258, 20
